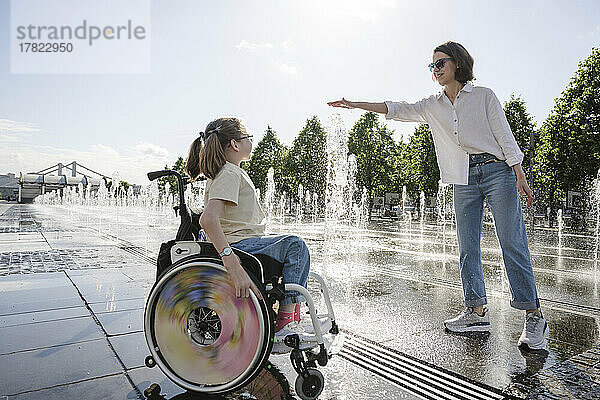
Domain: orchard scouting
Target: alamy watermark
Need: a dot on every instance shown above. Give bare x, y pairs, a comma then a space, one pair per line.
80, 36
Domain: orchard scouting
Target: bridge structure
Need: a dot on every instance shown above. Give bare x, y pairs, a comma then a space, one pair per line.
58, 177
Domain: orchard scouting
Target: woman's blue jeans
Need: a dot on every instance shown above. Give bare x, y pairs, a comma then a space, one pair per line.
495, 181
291, 251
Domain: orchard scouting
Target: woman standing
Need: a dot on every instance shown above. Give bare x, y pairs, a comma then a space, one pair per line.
477, 153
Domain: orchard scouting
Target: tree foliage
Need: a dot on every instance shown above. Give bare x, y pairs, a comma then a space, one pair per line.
569, 153
306, 162
174, 186
522, 126
269, 153
419, 163
376, 154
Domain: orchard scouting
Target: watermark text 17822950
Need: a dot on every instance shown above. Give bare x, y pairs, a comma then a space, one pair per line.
47, 47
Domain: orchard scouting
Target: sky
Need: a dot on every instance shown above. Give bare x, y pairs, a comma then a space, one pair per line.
277, 63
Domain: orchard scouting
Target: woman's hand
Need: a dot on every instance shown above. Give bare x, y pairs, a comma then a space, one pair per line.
522, 185
242, 282
524, 189
343, 103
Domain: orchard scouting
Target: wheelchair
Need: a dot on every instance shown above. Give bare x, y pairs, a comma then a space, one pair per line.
207, 340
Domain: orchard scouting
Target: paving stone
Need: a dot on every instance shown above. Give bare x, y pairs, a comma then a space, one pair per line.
131, 348
113, 387
5, 247
103, 292
22, 292
43, 316
40, 305
61, 365
20, 237
121, 322
37, 292
118, 305
45, 334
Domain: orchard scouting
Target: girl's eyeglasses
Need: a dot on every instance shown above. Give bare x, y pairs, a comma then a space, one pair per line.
439, 64
249, 137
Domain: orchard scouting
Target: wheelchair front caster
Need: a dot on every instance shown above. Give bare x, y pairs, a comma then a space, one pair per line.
149, 361
310, 388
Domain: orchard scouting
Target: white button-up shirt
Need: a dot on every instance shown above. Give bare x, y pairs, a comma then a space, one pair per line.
475, 123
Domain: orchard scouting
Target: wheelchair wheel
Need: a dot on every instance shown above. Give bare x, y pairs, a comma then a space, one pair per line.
310, 388
200, 334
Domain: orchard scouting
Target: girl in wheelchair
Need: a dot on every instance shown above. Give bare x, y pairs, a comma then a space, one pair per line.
232, 217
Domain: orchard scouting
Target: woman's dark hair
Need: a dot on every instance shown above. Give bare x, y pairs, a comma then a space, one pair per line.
462, 58
207, 152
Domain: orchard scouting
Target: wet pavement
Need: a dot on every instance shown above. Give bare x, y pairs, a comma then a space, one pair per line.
73, 283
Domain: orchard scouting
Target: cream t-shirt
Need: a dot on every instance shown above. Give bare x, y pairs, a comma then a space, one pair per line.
243, 217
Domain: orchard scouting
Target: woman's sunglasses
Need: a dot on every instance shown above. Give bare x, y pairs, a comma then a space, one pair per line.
439, 64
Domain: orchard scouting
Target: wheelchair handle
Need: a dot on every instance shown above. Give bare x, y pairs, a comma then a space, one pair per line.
159, 174
180, 181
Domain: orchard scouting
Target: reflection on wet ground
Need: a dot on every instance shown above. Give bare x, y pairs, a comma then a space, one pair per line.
270, 384
392, 285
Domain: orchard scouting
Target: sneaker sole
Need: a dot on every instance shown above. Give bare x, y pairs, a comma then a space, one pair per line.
537, 346
485, 327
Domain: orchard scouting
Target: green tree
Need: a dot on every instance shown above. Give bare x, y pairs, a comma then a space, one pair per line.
376, 154
269, 153
522, 126
174, 186
418, 162
569, 152
306, 162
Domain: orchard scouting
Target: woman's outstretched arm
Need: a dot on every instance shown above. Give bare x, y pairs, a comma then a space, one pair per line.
374, 107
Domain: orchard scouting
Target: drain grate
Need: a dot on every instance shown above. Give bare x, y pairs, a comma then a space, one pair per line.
417, 377
140, 253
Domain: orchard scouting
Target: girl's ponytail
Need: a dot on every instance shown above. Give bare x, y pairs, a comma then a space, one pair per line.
207, 153
212, 156
192, 165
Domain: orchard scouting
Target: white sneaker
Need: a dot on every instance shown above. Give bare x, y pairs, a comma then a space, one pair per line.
534, 333
291, 328
469, 321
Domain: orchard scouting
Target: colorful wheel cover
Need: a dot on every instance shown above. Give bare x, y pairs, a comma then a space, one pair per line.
205, 334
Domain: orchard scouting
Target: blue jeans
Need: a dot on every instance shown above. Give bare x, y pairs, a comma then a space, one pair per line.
495, 181
289, 250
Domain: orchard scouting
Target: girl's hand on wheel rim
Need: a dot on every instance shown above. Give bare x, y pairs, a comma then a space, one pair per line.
242, 282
